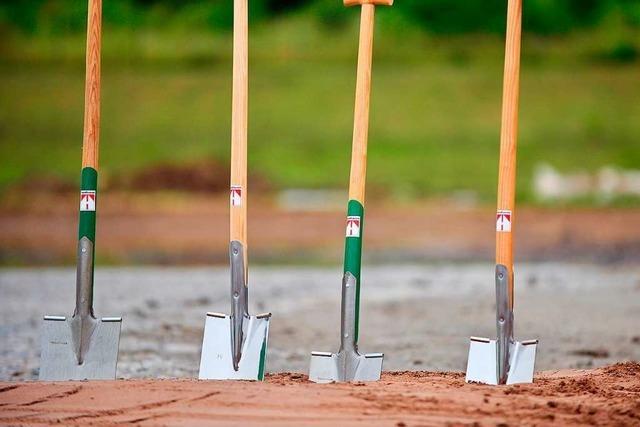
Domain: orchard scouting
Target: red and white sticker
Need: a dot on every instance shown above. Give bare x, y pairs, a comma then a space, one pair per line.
353, 226
235, 195
503, 221
87, 200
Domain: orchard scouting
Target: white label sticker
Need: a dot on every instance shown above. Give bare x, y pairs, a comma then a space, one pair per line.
87, 200
503, 221
353, 226
235, 195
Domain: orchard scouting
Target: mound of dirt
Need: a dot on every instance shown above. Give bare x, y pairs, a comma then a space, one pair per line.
606, 396
206, 176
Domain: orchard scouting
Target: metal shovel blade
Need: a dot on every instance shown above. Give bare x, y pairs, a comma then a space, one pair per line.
482, 366
348, 364
345, 367
58, 360
216, 362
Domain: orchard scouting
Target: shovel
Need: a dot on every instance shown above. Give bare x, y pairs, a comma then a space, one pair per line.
235, 346
504, 360
83, 346
348, 364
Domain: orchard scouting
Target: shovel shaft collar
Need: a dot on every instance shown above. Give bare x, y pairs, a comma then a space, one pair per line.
348, 324
504, 322
84, 278
239, 300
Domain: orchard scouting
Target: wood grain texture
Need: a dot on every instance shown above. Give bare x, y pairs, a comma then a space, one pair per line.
239, 119
91, 135
361, 115
374, 2
509, 133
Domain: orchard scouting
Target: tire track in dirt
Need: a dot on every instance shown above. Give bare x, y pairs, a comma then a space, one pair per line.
5, 389
60, 395
205, 396
9, 388
122, 411
140, 419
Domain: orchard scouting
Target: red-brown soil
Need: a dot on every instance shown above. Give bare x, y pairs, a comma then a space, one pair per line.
187, 229
605, 396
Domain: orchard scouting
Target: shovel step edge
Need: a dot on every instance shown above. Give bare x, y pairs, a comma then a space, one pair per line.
374, 356
55, 318
218, 315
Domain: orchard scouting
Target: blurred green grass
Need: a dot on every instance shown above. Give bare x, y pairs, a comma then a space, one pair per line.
435, 113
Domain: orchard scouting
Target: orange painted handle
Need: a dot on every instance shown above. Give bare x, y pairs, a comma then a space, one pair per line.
239, 122
373, 2
509, 138
91, 136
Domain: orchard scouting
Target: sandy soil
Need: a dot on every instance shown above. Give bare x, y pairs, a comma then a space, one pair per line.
192, 229
605, 396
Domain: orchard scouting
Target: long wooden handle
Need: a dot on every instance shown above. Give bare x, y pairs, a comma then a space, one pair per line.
91, 137
509, 138
361, 115
238, 199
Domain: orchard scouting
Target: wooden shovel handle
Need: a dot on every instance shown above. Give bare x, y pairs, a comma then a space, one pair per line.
91, 136
361, 115
239, 120
509, 132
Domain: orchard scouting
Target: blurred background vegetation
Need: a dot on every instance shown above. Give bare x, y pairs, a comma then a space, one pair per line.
436, 95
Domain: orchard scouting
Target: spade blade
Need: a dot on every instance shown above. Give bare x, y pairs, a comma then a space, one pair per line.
345, 367
216, 362
482, 365
58, 360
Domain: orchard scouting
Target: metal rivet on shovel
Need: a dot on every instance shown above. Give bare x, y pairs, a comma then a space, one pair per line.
504, 360
234, 347
83, 346
348, 364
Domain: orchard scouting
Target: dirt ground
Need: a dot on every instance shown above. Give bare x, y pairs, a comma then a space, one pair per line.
193, 229
608, 396
579, 298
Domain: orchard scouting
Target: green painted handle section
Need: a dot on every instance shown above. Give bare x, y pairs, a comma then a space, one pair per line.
353, 245
87, 223
353, 252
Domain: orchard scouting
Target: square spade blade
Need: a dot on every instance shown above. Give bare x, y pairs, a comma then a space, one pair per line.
344, 367
482, 366
216, 362
58, 360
